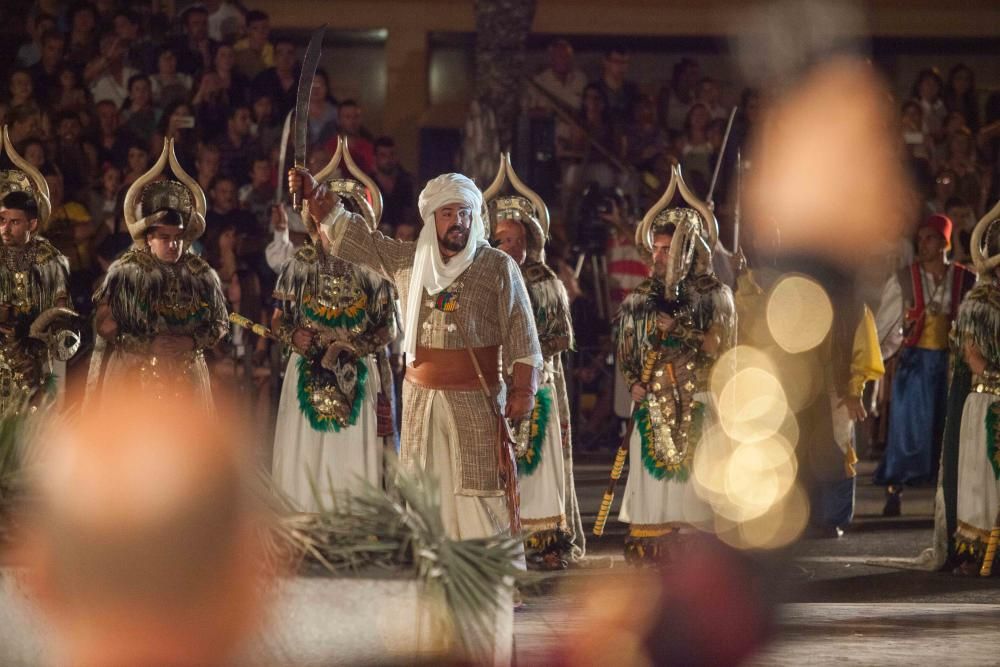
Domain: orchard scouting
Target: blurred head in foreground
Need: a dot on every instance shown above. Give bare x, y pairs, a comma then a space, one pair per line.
142, 539
829, 174
711, 606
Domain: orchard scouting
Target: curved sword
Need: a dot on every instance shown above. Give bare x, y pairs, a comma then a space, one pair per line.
310, 61
286, 132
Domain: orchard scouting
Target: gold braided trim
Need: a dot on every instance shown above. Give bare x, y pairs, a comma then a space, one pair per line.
970, 532
544, 523
653, 529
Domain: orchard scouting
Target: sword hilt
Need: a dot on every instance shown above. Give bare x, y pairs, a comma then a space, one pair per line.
247, 323
991, 552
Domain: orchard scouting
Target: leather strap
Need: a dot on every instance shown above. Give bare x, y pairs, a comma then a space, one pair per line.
479, 371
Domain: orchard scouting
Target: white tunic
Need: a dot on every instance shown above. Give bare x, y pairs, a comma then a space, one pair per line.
308, 462
652, 506
978, 489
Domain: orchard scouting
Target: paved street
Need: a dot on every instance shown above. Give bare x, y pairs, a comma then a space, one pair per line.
837, 606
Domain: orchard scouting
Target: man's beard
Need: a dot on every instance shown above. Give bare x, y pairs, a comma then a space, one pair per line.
455, 245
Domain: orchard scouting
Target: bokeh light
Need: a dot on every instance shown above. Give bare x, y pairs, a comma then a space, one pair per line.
799, 313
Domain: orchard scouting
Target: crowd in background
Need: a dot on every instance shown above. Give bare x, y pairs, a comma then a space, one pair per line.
601, 152
95, 90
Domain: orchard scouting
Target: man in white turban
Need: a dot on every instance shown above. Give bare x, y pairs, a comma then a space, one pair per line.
465, 312
458, 295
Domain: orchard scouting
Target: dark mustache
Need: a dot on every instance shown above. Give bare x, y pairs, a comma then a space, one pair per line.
456, 228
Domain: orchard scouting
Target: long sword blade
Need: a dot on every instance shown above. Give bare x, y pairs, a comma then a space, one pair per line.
722, 154
310, 61
286, 132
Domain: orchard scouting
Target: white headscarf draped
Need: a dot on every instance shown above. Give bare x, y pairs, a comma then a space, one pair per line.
430, 271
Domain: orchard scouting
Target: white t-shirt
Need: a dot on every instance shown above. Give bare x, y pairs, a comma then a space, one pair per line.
109, 88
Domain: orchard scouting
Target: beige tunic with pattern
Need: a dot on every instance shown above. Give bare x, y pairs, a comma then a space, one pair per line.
494, 308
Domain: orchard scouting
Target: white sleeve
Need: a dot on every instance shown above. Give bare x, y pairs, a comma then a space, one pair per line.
889, 319
279, 250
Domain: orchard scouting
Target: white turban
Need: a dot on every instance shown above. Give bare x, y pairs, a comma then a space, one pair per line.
430, 271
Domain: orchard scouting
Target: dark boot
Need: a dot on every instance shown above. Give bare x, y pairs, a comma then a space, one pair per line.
893, 501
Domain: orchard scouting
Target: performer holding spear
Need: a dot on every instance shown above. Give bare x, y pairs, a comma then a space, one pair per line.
671, 328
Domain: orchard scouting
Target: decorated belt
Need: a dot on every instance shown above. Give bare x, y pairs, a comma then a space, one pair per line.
434, 368
986, 385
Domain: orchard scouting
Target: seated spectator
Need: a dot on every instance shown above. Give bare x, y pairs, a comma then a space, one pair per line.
927, 90
912, 124
710, 94
36, 25
169, 85
960, 157
26, 122
588, 164
136, 162
563, 81
220, 252
945, 187
81, 44
280, 81
177, 122
675, 100
235, 85
322, 111
211, 106
960, 94
71, 230
236, 146
964, 218
33, 150
257, 196
645, 139
140, 51
225, 20
206, 165
109, 138
102, 202
45, 73
696, 149
358, 141
21, 91
621, 94
396, 184
255, 53
77, 159
264, 127
252, 238
112, 83
193, 47
139, 115
72, 96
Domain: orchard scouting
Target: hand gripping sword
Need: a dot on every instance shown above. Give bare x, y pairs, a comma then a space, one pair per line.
310, 61
622, 455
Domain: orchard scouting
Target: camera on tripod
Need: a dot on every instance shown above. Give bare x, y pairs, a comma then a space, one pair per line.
596, 202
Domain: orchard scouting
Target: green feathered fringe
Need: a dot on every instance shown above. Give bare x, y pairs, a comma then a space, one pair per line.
348, 318
528, 463
993, 437
654, 466
317, 421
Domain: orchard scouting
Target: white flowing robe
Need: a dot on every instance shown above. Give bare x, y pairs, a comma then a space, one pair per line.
315, 468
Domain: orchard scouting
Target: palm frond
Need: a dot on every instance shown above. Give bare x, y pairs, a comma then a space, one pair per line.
403, 532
